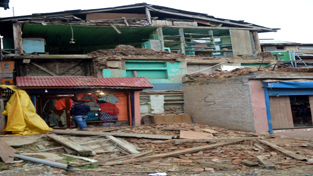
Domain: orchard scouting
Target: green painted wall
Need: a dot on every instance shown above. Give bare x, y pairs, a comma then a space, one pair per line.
154, 71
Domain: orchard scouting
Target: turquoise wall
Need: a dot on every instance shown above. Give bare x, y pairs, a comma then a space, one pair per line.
157, 72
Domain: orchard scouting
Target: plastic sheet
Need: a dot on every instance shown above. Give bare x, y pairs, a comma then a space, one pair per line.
22, 118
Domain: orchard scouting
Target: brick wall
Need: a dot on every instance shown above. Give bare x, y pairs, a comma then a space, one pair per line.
220, 102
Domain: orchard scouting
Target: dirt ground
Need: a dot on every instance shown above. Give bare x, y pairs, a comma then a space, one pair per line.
229, 159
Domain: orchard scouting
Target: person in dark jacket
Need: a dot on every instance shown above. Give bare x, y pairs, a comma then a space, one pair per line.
79, 112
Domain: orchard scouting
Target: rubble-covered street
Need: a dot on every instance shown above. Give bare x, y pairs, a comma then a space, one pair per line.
194, 149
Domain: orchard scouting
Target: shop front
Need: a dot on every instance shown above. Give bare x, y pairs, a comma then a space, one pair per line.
112, 101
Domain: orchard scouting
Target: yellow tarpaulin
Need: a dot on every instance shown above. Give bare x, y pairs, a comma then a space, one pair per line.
22, 118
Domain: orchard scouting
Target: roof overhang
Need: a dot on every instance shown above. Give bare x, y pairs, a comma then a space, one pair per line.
80, 82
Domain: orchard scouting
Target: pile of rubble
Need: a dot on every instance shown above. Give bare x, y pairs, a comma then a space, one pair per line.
223, 74
127, 51
175, 149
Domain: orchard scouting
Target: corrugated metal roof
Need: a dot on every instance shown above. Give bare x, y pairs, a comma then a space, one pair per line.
81, 82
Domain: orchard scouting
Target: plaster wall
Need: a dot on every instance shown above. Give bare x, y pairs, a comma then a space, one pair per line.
220, 102
259, 107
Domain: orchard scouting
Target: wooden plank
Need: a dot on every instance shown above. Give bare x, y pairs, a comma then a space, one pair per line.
194, 135
249, 163
84, 151
160, 34
115, 28
82, 158
311, 105
171, 154
241, 42
210, 131
54, 148
128, 147
180, 141
148, 15
181, 118
82, 56
284, 151
6, 152
128, 156
281, 112
217, 166
89, 133
17, 34
182, 40
267, 163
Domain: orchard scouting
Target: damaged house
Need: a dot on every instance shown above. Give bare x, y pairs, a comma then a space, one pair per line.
262, 101
114, 51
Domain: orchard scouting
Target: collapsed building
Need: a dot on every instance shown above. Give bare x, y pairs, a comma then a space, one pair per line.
73, 49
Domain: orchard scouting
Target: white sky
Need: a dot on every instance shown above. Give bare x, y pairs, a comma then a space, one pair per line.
293, 17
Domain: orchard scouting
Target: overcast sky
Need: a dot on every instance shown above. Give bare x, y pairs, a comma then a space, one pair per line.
293, 17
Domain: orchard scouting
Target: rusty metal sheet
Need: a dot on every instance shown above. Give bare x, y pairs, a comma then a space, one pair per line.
80, 81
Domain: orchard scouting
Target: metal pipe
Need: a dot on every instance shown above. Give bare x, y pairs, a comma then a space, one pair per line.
46, 162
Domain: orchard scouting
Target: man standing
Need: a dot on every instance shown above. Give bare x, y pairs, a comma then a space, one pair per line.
80, 111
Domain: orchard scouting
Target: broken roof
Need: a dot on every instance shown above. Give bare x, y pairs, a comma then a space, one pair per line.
41, 82
160, 12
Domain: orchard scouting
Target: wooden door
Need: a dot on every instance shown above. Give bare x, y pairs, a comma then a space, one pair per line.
122, 106
281, 112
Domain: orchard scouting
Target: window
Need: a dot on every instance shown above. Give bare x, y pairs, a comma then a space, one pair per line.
148, 69
7, 81
7, 65
305, 47
270, 48
280, 48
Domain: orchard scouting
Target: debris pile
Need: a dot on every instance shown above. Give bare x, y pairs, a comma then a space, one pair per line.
223, 74
174, 148
127, 51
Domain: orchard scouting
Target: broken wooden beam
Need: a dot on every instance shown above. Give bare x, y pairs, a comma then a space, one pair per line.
82, 150
249, 163
44, 69
82, 158
267, 163
174, 153
54, 148
194, 135
89, 133
284, 151
128, 147
217, 166
180, 141
121, 158
6, 152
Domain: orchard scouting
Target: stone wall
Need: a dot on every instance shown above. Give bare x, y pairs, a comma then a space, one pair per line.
220, 102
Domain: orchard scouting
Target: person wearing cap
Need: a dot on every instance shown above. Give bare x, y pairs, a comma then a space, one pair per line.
79, 112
